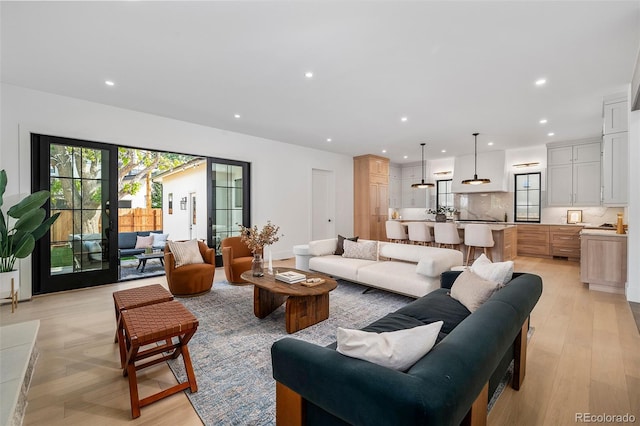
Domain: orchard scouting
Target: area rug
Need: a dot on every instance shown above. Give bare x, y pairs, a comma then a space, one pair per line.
231, 349
129, 269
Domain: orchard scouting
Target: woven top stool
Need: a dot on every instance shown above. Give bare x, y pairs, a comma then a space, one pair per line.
149, 325
135, 298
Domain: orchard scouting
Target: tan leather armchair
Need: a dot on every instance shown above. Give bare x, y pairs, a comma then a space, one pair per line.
236, 259
194, 279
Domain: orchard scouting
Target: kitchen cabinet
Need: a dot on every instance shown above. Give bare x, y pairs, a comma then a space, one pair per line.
615, 169
533, 240
413, 197
615, 114
564, 241
395, 187
371, 196
604, 260
573, 174
615, 152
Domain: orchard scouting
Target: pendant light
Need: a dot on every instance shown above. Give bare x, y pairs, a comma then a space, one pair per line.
422, 183
475, 180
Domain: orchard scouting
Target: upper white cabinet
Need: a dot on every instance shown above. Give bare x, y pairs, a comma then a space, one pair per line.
615, 169
491, 165
413, 197
395, 186
573, 174
615, 151
615, 117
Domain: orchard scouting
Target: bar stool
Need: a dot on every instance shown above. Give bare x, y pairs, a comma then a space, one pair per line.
477, 235
396, 232
149, 325
446, 234
419, 233
135, 298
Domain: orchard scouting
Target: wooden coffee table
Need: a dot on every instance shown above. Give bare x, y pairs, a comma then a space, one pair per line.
305, 306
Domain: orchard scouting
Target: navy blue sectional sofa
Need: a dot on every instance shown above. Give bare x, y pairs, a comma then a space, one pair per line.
450, 385
127, 243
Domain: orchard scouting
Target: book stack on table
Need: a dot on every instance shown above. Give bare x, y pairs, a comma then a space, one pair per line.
290, 277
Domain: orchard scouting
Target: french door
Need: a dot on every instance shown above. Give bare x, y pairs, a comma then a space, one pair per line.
228, 202
81, 248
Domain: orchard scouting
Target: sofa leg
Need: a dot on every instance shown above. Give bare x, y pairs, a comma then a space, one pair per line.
520, 356
289, 407
477, 415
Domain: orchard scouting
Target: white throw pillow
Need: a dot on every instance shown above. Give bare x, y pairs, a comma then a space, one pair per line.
185, 252
367, 250
498, 271
472, 290
398, 350
159, 240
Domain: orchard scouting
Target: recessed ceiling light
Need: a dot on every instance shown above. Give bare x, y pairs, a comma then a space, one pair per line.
328, 139
384, 151
540, 82
543, 121
403, 119
109, 83
236, 115
308, 74
550, 134
444, 150
490, 143
405, 157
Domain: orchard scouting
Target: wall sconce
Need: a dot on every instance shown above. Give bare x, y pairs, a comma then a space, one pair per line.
520, 165
183, 203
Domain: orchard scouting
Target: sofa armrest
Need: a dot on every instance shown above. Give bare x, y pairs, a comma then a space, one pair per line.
343, 386
323, 247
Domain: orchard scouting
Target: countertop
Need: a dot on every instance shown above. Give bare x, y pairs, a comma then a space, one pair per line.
494, 226
605, 232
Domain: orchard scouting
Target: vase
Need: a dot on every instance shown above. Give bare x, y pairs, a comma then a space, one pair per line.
269, 262
441, 217
257, 265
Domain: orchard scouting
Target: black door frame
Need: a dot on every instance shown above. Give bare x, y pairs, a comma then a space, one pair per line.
43, 281
211, 197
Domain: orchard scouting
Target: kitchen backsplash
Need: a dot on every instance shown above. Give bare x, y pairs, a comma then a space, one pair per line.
494, 205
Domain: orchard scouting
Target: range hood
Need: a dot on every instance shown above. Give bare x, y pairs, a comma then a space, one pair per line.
491, 165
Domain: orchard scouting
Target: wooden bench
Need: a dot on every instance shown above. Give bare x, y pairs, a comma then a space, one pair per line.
147, 326
135, 298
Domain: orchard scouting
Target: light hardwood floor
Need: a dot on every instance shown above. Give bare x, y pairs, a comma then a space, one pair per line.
584, 357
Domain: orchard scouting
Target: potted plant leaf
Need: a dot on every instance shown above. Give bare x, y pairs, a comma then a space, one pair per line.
22, 226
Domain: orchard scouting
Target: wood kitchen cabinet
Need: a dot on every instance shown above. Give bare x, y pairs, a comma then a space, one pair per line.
604, 260
371, 196
533, 240
564, 241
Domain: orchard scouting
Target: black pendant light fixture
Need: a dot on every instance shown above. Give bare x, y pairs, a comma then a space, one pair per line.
475, 180
422, 183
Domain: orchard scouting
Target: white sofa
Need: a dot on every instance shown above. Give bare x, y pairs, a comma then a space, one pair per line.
401, 268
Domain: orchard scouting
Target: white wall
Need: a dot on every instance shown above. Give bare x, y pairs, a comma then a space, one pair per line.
181, 185
280, 172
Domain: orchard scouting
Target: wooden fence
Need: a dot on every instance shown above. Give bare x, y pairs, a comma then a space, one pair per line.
128, 220
139, 219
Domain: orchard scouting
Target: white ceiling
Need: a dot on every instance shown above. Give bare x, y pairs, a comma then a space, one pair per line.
452, 68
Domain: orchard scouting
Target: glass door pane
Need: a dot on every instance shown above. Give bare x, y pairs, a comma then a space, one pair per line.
80, 250
229, 204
